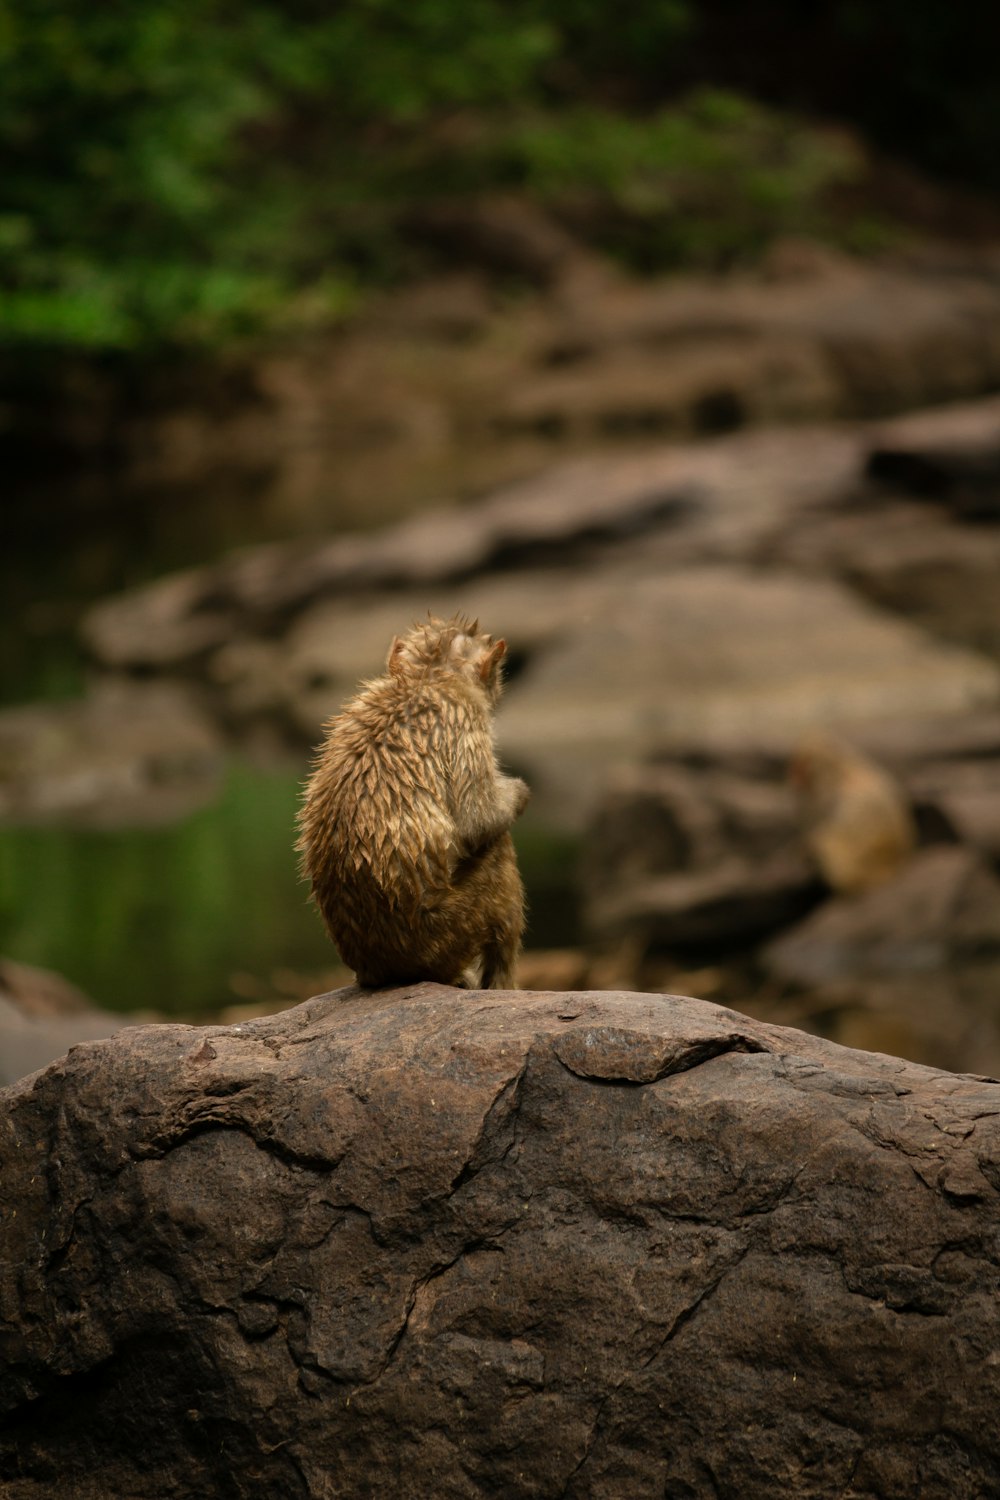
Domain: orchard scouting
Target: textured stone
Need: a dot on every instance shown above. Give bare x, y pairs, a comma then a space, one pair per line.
425, 1243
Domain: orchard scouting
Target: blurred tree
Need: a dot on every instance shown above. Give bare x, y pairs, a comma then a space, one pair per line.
188, 169
124, 132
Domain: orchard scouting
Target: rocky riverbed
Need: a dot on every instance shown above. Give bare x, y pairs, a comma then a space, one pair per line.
681, 609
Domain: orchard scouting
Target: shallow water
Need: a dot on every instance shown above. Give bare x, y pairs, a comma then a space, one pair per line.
181, 919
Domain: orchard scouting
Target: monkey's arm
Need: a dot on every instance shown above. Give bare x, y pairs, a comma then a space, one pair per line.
483, 802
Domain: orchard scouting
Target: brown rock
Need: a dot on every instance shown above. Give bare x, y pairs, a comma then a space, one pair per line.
737, 903
678, 857
40, 992
430, 1244
717, 385
966, 794
905, 537
502, 233
952, 458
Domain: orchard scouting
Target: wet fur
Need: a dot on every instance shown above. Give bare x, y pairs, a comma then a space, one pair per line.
404, 829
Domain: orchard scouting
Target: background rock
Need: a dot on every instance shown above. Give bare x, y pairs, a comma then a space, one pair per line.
41, 1015
125, 754
697, 594
913, 966
427, 1243
941, 912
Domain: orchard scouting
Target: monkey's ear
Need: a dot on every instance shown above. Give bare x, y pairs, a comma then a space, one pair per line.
394, 661
492, 660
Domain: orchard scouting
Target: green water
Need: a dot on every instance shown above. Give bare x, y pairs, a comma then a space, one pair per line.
207, 912
163, 918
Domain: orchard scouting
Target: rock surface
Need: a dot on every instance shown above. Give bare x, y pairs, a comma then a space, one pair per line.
429, 1243
477, 385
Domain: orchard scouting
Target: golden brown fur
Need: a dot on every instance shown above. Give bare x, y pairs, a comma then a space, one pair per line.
859, 828
404, 830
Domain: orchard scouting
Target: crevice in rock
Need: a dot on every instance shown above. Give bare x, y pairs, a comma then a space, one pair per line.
502, 1112
182, 1132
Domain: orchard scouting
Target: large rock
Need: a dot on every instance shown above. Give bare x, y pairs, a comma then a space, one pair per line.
664, 598
727, 657
686, 354
941, 912
915, 536
428, 1243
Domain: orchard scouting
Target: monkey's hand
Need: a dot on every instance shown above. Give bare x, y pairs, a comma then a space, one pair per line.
518, 792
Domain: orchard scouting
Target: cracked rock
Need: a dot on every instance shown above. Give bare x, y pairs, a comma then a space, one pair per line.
423, 1242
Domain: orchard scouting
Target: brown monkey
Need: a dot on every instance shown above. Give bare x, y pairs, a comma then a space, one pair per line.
859, 828
404, 829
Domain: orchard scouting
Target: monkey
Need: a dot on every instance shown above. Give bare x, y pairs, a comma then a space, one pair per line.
404, 829
859, 827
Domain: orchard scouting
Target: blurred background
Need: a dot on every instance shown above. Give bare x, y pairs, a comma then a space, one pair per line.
666, 339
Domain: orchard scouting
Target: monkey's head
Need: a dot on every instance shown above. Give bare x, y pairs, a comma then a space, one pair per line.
438, 648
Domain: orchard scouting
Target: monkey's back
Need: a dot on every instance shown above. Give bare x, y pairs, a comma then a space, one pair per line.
378, 840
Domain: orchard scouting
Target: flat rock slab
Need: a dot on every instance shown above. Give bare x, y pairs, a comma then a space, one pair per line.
431, 1243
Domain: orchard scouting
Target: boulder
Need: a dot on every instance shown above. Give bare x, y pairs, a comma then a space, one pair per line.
40, 992
965, 794
503, 233
914, 534
422, 1242
913, 965
848, 339
726, 657
952, 458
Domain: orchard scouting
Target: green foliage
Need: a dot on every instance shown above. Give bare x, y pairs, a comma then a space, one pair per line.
121, 126
189, 171
697, 184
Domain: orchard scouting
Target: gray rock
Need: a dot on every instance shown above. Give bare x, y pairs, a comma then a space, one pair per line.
966, 796
848, 339
735, 904
424, 1243
904, 538
724, 657
940, 913
29, 1042
128, 753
